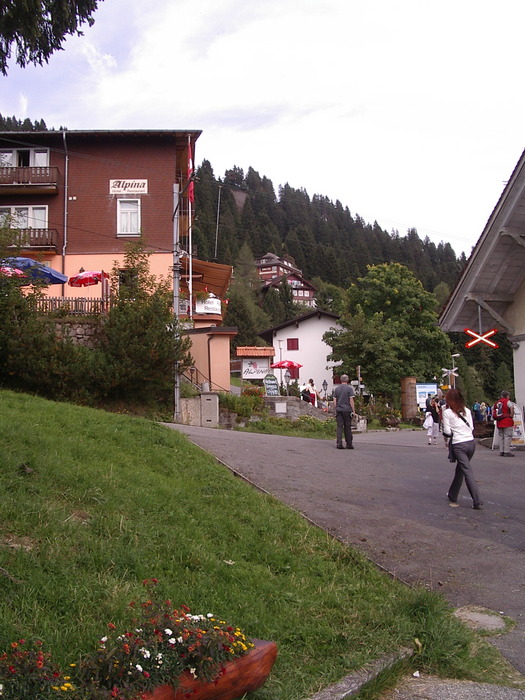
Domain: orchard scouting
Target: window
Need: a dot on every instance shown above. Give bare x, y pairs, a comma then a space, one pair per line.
24, 217
25, 157
292, 343
128, 217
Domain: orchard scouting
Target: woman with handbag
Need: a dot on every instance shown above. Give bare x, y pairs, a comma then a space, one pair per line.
458, 427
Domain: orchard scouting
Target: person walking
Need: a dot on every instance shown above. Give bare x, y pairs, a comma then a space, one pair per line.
344, 410
458, 427
503, 414
433, 429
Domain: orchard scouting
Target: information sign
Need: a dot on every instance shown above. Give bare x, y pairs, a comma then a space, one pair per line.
271, 385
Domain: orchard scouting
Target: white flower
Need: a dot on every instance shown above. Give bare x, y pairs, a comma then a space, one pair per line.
139, 668
103, 640
209, 615
172, 640
168, 632
193, 672
145, 653
180, 640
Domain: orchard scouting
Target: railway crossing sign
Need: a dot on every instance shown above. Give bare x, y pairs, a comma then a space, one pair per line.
481, 338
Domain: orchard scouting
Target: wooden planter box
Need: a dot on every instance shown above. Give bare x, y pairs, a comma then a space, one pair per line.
242, 675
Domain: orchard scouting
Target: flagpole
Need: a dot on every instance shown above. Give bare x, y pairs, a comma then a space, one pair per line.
190, 251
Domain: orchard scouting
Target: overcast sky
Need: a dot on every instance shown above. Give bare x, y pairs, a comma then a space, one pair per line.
410, 113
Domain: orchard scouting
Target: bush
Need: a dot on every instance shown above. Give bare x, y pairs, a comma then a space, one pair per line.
243, 406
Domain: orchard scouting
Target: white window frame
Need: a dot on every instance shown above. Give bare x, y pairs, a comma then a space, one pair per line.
33, 216
125, 225
9, 157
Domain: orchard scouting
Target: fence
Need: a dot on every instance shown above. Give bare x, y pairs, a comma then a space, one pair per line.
74, 306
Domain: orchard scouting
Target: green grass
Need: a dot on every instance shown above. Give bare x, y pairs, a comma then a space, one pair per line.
93, 503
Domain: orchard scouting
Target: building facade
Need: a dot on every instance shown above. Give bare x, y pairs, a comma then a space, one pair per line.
76, 198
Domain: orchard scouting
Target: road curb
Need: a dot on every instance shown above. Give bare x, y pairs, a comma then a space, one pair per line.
355, 682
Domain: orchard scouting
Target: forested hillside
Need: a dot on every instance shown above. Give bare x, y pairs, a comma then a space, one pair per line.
324, 238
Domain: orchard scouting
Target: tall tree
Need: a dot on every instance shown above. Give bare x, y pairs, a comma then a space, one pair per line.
37, 28
390, 330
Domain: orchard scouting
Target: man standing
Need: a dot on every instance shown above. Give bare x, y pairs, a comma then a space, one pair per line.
344, 410
503, 414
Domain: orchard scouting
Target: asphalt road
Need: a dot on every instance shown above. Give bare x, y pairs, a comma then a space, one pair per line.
387, 498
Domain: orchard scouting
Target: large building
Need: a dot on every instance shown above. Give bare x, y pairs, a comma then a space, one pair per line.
274, 270
76, 198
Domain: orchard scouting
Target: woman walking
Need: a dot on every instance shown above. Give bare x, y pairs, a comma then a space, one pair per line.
458, 427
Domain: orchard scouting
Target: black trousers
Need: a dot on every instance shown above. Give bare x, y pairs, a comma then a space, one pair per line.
344, 424
463, 452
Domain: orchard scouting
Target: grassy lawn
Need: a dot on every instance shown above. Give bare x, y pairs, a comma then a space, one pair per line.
93, 503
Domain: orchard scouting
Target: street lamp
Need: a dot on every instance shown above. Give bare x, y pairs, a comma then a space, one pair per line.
325, 387
287, 377
452, 375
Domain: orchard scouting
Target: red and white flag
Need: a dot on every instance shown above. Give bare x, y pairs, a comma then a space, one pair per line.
191, 188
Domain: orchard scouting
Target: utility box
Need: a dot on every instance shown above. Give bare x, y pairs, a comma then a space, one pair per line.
209, 410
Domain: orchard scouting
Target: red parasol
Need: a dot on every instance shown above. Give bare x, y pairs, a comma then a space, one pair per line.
11, 272
87, 278
286, 364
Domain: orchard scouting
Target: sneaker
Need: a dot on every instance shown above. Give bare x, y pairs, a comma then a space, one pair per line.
340, 447
477, 506
502, 454
508, 454
453, 504
351, 447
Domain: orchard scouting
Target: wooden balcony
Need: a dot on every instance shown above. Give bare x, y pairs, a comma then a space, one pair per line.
24, 180
37, 239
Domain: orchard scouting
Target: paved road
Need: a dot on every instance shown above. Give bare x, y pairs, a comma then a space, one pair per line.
387, 498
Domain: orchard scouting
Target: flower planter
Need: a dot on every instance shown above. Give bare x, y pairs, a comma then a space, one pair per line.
242, 675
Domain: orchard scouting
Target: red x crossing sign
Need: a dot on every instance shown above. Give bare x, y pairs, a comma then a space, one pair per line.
481, 338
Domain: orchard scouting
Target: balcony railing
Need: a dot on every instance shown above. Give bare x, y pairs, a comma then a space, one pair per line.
36, 238
21, 178
73, 306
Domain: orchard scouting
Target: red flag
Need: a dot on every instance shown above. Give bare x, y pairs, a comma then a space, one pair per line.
191, 189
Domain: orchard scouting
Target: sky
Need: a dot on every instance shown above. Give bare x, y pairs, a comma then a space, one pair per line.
410, 113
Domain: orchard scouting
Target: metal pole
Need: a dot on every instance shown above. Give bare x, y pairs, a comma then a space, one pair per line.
176, 285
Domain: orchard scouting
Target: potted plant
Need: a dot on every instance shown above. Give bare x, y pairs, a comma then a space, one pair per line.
165, 654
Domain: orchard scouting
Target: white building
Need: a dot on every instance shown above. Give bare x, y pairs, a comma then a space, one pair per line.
301, 340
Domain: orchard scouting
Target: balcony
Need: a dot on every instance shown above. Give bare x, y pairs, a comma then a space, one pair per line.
37, 239
24, 180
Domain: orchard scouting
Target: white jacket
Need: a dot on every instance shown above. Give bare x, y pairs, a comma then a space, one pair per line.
453, 425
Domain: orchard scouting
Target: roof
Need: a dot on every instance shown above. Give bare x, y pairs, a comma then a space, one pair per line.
213, 277
496, 267
269, 333
254, 351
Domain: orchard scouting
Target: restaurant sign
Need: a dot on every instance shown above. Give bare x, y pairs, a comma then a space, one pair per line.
128, 187
255, 368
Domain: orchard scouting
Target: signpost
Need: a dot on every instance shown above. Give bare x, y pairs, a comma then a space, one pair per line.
271, 385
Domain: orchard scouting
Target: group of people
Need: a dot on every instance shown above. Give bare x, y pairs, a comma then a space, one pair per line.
457, 424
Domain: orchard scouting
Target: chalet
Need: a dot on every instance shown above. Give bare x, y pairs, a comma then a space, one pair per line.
301, 340
274, 270
76, 198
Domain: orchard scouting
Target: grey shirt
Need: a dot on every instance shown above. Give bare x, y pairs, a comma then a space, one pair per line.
343, 393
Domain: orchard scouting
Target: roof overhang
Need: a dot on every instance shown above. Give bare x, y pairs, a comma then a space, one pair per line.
496, 267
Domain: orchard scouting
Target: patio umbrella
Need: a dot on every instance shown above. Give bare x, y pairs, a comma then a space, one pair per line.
285, 364
87, 278
6, 271
35, 271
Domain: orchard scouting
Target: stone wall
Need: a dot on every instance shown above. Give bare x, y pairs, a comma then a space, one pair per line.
80, 333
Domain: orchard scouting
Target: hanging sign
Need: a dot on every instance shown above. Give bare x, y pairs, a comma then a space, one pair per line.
483, 338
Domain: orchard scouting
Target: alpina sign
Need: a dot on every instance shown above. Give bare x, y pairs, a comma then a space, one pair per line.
128, 187
255, 369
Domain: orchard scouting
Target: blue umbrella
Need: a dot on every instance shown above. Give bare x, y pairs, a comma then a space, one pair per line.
36, 271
